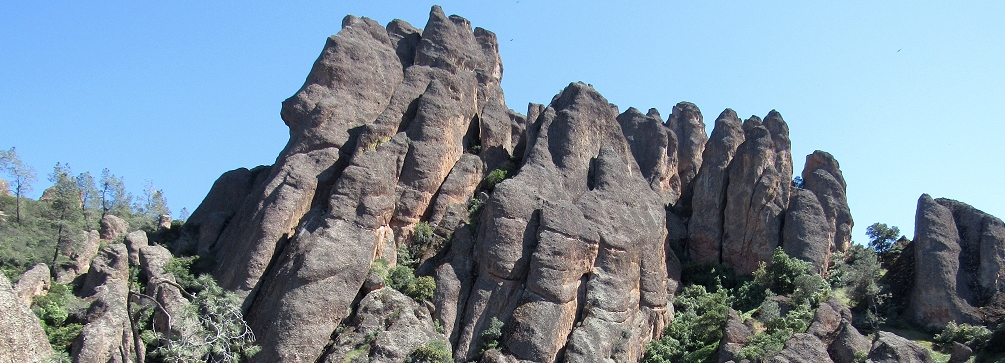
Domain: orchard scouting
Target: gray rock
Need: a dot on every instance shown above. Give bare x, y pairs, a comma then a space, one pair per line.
734, 336
107, 336
822, 175
111, 263
5, 189
164, 221
804, 231
388, 326
758, 192
161, 286
848, 343
34, 282
709, 201
23, 337
802, 348
136, 240
934, 299
890, 348
112, 227
75, 256
204, 226
686, 123
982, 251
961, 353
827, 320
655, 150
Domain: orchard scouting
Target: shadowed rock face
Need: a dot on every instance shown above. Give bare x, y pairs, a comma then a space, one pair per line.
958, 260
573, 251
822, 176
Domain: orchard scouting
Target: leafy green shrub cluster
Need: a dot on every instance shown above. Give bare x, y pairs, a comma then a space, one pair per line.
858, 272
495, 177
975, 337
181, 268
695, 332
490, 337
435, 351
402, 278
54, 310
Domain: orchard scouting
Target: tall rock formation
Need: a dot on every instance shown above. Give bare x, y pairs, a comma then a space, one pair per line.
760, 177
709, 201
822, 176
959, 253
23, 338
686, 123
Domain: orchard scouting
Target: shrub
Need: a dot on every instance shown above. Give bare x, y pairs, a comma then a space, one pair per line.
423, 288
53, 310
402, 278
695, 332
379, 268
975, 337
495, 177
435, 351
490, 337
181, 268
764, 345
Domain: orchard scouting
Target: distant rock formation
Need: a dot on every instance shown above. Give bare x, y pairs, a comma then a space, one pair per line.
822, 176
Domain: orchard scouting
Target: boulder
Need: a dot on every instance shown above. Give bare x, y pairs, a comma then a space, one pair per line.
709, 200
890, 348
760, 177
822, 176
161, 286
734, 336
5, 189
961, 353
107, 336
136, 240
228, 193
34, 282
847, 343
112, 227
802, 348
827, 320
111, 263
804, 231
388, 326
164, 221
75, 256
982, 252
934, 299
23, 337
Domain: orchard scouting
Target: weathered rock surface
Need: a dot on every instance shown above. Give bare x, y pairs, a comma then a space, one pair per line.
34, 282
890, 348
75, 256
802, 348
161, 286
936, 298
107, 336
112, 227
961, 353
760, 177
686, 123
822, 176
709, 200
224, 199
827, 320
135, 241
5, 188
23, 338
654, 147
734, 336
804, 231
848, 343
982, 252
388, 326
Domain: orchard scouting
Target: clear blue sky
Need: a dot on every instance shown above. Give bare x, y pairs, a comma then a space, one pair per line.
904, 94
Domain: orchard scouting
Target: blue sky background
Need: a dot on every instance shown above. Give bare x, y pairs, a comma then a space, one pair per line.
904, 94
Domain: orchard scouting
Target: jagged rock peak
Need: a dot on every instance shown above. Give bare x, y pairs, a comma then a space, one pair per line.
822, 176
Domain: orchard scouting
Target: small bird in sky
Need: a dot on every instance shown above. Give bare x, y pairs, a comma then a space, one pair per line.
898, 50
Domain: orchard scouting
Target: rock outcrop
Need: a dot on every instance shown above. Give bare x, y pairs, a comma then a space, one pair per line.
822, 176
5, 189
387, 327
757, 194
75, 257
135, 241
938, 296
804, 231
23, 338
687, 125
112, 227
802, 348
107, 336
709, 200
34, 282
890, 348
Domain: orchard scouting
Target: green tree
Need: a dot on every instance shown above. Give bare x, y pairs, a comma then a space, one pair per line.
22, 176
882, 237
89, 199
64, 206
154, 203
112, 194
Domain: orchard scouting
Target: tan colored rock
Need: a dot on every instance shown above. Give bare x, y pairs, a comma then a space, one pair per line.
75, 256
758, 193
23, 337
107, 336
706, 223
135, 241
890, 348
388, 326
802, 348
112, 227
687, 125
164, 221
5, 189
34, 282
805, 231
822, 176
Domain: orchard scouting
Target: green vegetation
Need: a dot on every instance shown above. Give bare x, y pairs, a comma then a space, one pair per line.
54, 311
857, 275
435, 351
882, 237
402, 278
695, 332
975, 337
495, 177
490, 337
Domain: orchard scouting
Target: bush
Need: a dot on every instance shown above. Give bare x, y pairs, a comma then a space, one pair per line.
53, 310
181, 268
490, 337
764, 345
403, 279
435, 351
495, 177
975, 337
423, 288
695, 332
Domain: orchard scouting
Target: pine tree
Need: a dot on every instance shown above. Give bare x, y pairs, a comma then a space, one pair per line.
23, 175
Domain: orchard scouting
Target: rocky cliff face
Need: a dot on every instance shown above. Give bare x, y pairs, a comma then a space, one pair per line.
567, 225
